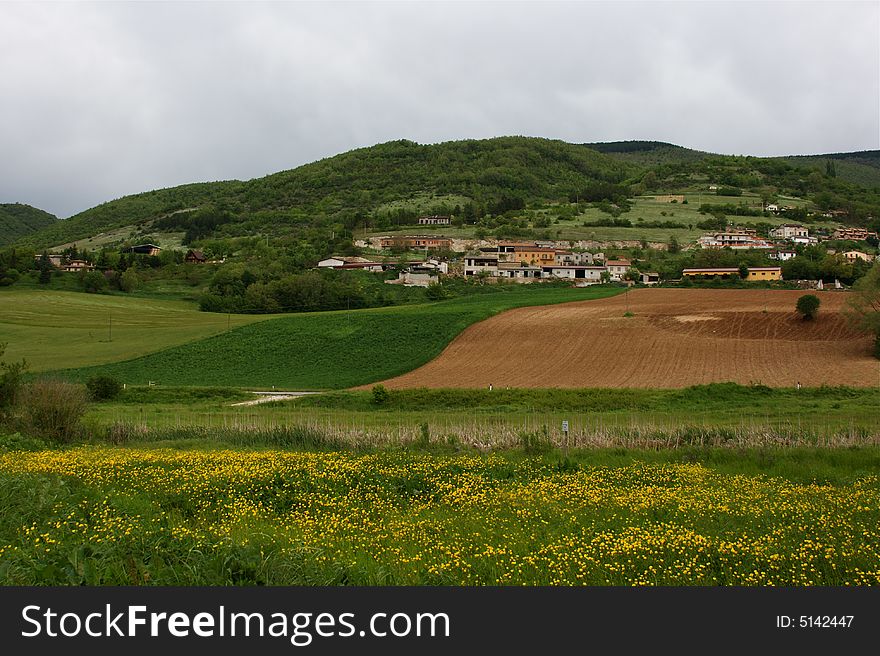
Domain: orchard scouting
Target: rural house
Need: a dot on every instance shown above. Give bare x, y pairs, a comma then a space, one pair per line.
617, 269
789, 230
852, 256
482, 263
194, 257
75, 266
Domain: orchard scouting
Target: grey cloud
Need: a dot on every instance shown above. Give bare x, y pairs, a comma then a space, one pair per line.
103, 100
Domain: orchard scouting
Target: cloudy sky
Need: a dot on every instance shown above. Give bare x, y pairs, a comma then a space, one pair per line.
106, 99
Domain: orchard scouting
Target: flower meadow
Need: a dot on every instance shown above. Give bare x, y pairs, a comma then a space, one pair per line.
127, 516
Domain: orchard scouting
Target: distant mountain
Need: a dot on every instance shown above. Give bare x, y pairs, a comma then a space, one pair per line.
18, 220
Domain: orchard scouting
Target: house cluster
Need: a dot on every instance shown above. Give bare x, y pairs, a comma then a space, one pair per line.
781, 240
412, 274
67, 265
73, 265
529, 261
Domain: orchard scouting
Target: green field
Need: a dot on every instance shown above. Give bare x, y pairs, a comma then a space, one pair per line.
329, 350
146, 516
58, 330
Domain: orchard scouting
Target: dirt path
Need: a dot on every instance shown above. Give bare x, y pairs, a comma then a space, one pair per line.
675, 338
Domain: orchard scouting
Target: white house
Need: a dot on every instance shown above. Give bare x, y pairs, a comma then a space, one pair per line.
482, 263
590, 274
350, 263
781, 255
617, 268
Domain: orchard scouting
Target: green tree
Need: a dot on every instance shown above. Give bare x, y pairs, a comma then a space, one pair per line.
129, 281
743, 270
94, 281
45, 268
808, 306
672, 246
864, 305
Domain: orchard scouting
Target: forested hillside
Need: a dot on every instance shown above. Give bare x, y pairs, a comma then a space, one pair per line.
18, 220
364, 188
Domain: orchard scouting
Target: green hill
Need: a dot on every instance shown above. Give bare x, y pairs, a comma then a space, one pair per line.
18, 220
861, 168
325, 201
340, 190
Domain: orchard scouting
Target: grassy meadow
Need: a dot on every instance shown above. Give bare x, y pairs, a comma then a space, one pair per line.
145, 516
720, 414
59, 330
646, 208
329, 350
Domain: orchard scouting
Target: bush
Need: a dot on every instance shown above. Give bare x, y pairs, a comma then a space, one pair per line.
808, 306
52, 409
537, 442
103, 388
380, 395
10, 383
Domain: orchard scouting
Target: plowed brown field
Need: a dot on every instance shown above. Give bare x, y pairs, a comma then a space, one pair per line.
676, 338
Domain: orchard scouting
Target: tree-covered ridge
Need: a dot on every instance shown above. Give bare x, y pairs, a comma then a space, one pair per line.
339, 189
326, 200
131, 210
18, 220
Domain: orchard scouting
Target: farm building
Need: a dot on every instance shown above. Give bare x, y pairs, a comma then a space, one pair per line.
425, 242
649, 278
434, 220
591, 274
194, 257
755, 273
143, 249
346, 262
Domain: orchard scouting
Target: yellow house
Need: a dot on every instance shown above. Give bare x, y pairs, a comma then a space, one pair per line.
765, 273
532, 255
755, 273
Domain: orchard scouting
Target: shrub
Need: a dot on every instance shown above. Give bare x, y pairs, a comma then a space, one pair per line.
94, 282
380, 395
103, 388
10, 383
52, 409
536, 442
877, 346
808, 306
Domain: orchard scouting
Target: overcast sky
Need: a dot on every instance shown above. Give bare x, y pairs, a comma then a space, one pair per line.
103, 100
